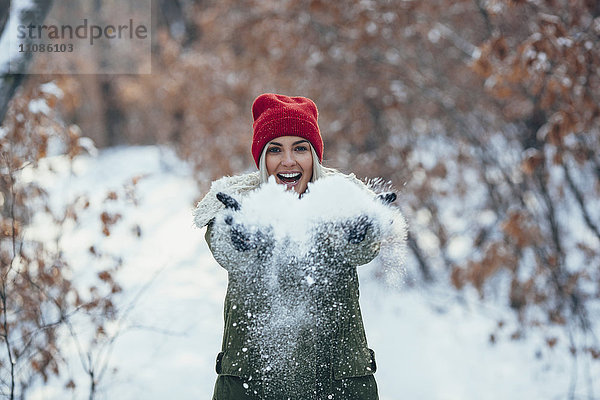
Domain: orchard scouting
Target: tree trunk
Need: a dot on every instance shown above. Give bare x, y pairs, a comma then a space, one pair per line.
34, 14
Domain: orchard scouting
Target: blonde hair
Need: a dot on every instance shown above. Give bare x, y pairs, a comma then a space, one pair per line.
317, 168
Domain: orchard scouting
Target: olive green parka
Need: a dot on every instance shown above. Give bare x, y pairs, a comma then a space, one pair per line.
330, 356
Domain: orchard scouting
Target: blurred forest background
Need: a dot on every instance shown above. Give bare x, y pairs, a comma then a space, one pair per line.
484, 114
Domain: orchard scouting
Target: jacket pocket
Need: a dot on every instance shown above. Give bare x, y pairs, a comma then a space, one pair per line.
235, 365
218, 364
373, 363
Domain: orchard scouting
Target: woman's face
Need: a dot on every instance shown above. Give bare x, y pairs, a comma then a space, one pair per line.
289, 159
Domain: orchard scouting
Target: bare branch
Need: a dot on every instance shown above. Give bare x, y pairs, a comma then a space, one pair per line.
486, 17
423, 264
460, 43
580, 201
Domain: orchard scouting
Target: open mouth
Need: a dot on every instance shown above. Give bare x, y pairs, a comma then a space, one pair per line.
289, 178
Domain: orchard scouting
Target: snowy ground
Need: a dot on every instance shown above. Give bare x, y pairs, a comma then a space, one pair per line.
429, 345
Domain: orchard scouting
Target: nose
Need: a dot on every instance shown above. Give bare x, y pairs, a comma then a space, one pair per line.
288, 159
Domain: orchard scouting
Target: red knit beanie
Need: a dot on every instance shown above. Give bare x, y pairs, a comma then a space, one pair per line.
277, 115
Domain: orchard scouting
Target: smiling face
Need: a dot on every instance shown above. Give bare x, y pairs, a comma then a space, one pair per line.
289, 159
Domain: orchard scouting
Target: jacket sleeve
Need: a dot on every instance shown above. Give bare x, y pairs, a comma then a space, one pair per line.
209, 241
207, 235
219, 243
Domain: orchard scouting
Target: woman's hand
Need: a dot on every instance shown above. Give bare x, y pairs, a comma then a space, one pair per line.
242, 238
356, 230
387, 198
228, 201
239, 236
351, 242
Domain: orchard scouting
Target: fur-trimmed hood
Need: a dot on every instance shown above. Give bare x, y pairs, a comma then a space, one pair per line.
235, 186
240, 185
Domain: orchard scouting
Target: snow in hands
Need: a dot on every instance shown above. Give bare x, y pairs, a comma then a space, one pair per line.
330, 200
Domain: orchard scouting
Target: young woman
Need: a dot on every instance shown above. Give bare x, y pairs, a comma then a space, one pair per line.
320, 351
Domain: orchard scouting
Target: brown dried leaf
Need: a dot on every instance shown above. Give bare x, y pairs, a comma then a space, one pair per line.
551, 342
105, 276
112, 195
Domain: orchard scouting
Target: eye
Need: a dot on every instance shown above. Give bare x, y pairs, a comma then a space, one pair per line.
273, 149
301, 148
